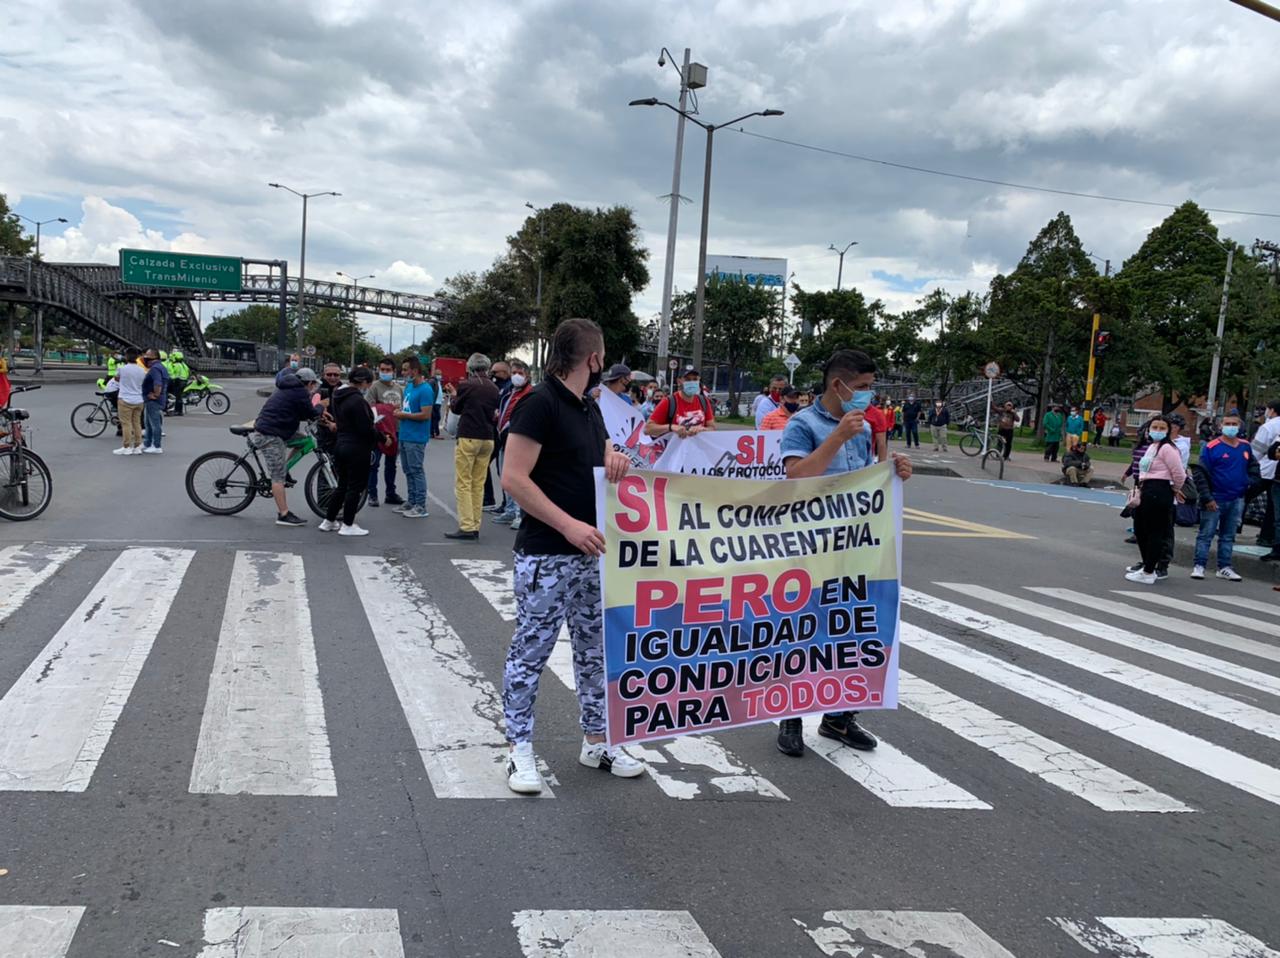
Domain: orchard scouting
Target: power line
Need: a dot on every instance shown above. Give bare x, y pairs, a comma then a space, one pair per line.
991, 182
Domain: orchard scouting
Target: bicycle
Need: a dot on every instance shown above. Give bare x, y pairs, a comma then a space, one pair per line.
90, 419
223, 483
26, 485
972, 442
201, 390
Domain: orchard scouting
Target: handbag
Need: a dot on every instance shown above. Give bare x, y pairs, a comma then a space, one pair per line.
1133, 502
451, 422
1186, 514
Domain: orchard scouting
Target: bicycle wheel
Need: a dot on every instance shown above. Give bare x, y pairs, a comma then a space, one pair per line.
217, 403
221, 483
319, 489
89, 420
26, 485
970, 444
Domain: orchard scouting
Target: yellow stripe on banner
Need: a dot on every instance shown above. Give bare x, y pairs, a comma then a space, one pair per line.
970, 530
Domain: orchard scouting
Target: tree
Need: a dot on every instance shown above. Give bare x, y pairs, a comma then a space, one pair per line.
735, 318
489, 312
956, 351
12, 242
327, 329
840, 319
592, 265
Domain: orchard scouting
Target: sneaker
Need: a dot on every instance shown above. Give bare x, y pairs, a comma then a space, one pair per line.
289, 519
415, 512
400, 509
1145, 578
515, 523
503, 519
153, 450
609, 759
1272, 556
352, 530
1132, 540
847, 730
329, 525
1162, 574
393, 500
791, 737
136, 451
523, 776
1136, 567
1197, 572
494, 508
122, 451
372, 502
1230, 574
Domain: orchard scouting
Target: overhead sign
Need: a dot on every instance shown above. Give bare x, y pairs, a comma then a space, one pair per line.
762, 270
140, 267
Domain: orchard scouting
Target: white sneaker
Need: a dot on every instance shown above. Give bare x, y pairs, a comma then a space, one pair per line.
352, 530
136, 451
330, 526
153, 451
610, 759
122, 451
1146, 578
1229, 574
1136, 567
1197, 572
523, 776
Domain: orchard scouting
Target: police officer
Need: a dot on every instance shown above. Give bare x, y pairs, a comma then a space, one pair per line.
179, 373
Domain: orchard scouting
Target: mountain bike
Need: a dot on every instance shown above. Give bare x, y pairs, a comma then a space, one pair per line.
223, 483
26, 485
90, 419
201, 390
972, 443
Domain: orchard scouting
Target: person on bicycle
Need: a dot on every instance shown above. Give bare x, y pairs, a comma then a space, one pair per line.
286, 409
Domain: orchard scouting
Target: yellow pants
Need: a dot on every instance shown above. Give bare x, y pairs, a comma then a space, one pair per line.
470, 465
130, 423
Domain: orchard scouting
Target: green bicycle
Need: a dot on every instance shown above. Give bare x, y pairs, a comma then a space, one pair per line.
223, 483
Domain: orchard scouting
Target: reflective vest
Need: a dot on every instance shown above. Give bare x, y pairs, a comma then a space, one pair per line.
111, 366
179, 369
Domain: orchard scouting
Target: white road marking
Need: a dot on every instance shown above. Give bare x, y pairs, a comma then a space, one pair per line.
1154, 620
1187, 750
1070, 619
57, 718
1054, 763
263, 729
1213, 704
449, 510
890, 775
453, 711
1265, 626
492, 579
1165, 938
257, 932
24, 568
38, 931
906, 932
611, 934
1266, 608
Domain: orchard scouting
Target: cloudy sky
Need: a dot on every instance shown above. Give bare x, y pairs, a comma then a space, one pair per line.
158, 123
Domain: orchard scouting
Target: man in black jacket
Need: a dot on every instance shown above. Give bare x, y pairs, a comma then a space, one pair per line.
939, 420
287, 408
1076, 466
911, 421
357, 438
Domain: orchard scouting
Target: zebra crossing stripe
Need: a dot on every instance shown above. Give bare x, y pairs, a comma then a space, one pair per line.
38, 931
57, 718
257, 932
1177, 746
453, 711
263, 729
1154, 620
1165, 938
1213, 665
24, 568
1212, 704
1267, 626
679, 757
906, 932
1056, 764
1266, 608
611, 934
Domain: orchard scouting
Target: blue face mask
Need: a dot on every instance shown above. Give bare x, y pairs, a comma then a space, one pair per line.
1157, 436
293, 364
386, 377
1231, 431
860, 401
689, 389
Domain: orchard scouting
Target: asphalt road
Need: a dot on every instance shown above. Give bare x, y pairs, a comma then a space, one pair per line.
1047, 791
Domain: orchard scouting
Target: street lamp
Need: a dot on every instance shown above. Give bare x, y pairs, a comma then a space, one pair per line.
1222, 321
38, 224
700, 299
537, 332
355, 281
302, 268
840, 253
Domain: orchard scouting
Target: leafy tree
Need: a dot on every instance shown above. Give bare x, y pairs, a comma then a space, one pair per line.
257, 323
956, 350
490, 312
328, 330
12, 242
735, 319
840, 319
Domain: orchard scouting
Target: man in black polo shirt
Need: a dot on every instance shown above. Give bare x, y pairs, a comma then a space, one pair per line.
556, 439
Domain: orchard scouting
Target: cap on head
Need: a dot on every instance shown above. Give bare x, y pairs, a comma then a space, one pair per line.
307, 375
691, 373
616, 371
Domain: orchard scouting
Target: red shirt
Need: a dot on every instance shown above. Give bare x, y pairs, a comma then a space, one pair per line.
690, 411
880, 420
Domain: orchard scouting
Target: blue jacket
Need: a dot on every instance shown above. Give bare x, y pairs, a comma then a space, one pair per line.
288, 406
1226, 473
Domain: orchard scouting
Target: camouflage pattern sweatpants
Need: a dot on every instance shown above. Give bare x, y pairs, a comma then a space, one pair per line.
550, 590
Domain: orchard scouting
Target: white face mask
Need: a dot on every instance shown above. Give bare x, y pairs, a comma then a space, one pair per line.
518, 380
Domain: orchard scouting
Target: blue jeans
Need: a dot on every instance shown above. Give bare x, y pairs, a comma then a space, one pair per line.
1223, 522
412, 455
389, 474
512, 510
153, 422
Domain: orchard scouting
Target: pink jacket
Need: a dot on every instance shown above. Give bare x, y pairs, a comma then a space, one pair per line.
1167, 464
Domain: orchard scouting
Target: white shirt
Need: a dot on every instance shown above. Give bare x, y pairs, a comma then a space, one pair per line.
131, 378
763, 406
1183, 445
1267, 433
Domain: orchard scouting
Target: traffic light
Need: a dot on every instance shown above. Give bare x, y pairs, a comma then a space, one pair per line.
1100, 343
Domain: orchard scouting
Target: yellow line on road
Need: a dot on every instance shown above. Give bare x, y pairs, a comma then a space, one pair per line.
974, 530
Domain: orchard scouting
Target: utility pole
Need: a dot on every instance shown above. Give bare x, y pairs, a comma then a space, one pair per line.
355, 281
302, 265
539, 354
1257, 6
1093, 366
840, 269
1217, 343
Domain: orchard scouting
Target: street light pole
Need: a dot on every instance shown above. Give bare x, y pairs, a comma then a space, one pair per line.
38, 224
701, 295
355, 281
840, 268
668, 274
1217, 343
37, 329
302, 265
538, 355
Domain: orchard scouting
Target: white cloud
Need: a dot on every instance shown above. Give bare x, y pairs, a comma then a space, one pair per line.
404, 276
105, 229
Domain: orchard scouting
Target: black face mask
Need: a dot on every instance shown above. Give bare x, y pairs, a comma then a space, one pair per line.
791, 406
593, 377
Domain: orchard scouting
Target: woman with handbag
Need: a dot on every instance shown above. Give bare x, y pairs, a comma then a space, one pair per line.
1161, 477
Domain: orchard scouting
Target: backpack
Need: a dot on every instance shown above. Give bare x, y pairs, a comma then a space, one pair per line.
702, 399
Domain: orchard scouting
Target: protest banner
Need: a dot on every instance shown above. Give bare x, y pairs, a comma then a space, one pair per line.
737, 454
729, 603
625, 426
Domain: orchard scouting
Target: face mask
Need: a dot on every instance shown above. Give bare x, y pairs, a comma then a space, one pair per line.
293, 364
1157, 436
1231, 431
791, 406
593, 376
861, 400
518, 380
689, 389
911, 399
386, 377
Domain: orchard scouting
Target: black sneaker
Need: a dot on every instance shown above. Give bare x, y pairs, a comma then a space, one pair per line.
1132, 540
289, 519
791, 737
847, 730
393, 500
1162, 574
460, 534
1272, 556
372, 501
